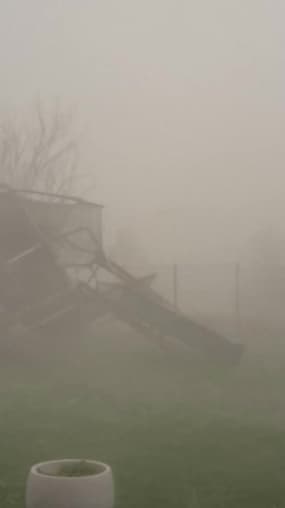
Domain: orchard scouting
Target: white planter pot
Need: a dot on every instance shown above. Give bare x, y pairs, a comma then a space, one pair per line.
47, 490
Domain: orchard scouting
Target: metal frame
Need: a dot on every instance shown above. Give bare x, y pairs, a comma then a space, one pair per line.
130, 299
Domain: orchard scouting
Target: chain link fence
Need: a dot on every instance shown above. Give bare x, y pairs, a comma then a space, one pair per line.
226, 296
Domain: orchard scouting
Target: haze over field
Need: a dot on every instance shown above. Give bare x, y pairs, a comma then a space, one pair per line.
178, 110
180, 105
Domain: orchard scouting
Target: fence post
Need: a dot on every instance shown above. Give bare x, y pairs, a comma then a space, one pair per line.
237, 299
175, 285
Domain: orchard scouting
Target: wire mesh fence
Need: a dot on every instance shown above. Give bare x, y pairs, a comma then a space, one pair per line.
226, 295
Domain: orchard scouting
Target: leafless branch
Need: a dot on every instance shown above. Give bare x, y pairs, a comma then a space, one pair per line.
42, 155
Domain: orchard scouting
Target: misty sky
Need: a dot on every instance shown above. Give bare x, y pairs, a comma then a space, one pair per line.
181, 105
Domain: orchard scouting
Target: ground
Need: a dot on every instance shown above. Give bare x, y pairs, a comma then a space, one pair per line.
176, 435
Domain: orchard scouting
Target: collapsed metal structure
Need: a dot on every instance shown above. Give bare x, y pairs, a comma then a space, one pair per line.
53, 269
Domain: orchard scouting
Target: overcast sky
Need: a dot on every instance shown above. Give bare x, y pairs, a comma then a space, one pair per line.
180, 103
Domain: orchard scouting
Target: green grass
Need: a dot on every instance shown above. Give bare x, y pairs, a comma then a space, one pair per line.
175, 435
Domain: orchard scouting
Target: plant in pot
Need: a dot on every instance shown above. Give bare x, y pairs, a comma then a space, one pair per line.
70, 483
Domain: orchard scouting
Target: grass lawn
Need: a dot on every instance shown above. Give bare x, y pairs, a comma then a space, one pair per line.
175, 436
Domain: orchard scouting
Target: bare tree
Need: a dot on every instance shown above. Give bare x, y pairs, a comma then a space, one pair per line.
40, 154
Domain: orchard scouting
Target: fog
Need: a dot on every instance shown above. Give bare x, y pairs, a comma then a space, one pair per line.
180, 104
178, 110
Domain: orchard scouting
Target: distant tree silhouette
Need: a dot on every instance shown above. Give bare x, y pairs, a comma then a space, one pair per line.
41, 153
